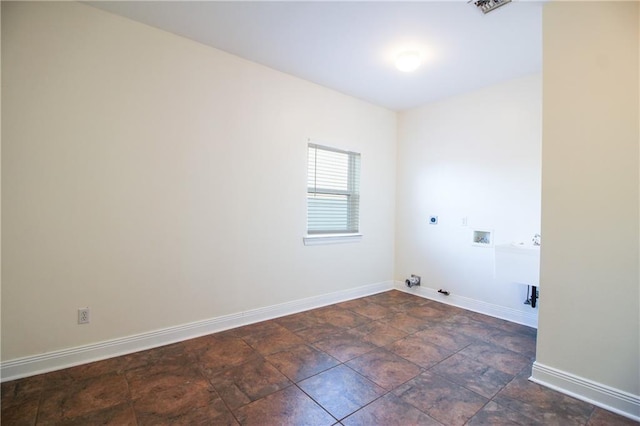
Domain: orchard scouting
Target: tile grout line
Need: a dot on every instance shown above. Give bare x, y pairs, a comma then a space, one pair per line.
130, 397
314, 400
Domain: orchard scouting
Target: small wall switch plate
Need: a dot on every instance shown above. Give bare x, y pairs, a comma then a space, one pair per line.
463, 221
433, 220
83, 316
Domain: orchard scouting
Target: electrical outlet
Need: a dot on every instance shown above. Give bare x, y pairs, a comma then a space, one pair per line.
83, 316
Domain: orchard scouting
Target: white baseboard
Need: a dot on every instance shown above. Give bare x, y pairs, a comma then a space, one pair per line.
617, 401
502, 312
57, 360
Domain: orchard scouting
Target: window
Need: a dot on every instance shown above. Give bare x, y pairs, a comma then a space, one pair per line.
333, 191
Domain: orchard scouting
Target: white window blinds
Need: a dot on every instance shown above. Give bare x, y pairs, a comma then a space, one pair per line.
333, 191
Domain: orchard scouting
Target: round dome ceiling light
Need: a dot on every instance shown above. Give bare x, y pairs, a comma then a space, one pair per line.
408, 61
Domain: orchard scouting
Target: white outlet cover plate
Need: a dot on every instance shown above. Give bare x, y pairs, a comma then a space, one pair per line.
84, 316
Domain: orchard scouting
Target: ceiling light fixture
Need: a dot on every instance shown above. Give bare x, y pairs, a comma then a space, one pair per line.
487, 6
408, 61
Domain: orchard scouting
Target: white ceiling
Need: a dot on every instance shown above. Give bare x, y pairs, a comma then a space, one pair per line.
351, 46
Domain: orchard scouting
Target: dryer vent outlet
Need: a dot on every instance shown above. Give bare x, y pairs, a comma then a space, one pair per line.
414, 281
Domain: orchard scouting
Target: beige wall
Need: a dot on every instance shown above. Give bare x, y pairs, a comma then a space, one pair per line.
589, 312
0, 177
160, 182
473, 156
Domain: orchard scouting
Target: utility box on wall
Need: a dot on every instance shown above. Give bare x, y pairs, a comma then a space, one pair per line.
482, 238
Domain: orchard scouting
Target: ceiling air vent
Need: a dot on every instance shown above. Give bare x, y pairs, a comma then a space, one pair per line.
487, 6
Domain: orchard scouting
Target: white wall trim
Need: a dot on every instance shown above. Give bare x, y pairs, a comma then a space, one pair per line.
57, 360
502, 312
615, 400
317, 240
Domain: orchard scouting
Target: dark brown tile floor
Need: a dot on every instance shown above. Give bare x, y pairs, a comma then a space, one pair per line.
387, 359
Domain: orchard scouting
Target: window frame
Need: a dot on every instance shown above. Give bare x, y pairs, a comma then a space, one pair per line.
352, 193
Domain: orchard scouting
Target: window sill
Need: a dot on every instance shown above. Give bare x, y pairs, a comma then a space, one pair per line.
316, 240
